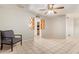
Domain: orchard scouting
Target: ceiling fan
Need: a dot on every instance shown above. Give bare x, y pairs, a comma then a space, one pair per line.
51, 9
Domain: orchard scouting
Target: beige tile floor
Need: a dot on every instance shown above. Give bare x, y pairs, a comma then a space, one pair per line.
45, 46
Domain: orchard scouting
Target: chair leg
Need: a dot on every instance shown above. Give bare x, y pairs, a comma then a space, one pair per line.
12, 47
21, 42
1, 46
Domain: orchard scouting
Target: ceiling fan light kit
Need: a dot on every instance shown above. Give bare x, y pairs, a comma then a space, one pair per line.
50, 12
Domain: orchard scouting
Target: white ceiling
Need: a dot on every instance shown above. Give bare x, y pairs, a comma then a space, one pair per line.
68, 8
36, 8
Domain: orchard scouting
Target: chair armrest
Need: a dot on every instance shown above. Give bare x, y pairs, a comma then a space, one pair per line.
18, 35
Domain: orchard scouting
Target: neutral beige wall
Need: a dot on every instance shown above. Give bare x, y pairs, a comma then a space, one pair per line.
16, 19
76, 27
55, 27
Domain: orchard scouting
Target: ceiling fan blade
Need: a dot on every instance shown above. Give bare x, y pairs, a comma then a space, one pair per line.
59, 8
42, 9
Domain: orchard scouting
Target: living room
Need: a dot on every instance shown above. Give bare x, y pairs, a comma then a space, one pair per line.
60, 28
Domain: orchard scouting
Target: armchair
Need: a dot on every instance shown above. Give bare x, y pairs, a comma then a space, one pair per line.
9, 38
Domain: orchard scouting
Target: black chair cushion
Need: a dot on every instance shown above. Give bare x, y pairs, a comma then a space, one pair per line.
9, 33
8, 41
